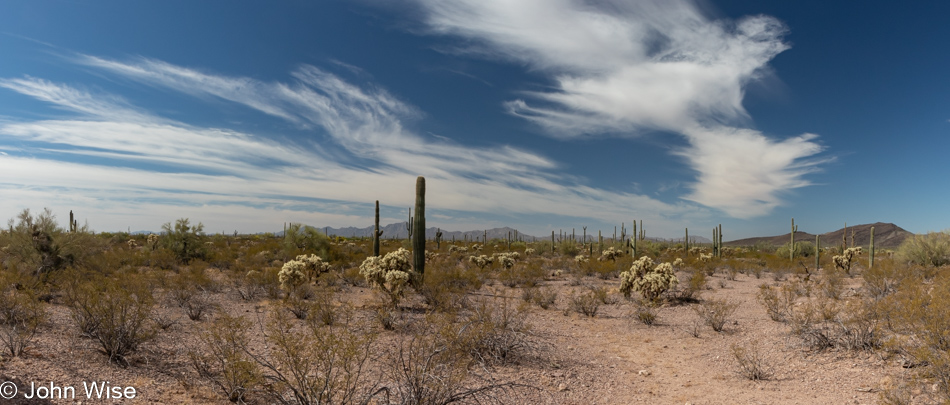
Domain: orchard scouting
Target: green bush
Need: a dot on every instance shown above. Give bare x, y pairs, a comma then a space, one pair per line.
184, 240
36, 245
931, 249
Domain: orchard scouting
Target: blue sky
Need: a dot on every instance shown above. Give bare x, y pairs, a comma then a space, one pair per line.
534, 114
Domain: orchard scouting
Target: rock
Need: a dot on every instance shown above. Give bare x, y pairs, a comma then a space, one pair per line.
562, 387
644, 372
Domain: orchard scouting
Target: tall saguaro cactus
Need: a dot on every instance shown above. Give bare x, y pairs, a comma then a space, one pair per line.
438, 238
817, 251
686, 242
635, 237
419, 233
409, 227
720, 241
791, 249
376, 232
871, 250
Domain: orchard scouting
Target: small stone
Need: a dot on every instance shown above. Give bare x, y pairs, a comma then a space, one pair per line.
562, 387
643, 372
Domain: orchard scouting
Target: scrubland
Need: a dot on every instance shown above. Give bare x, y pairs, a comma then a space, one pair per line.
186, 317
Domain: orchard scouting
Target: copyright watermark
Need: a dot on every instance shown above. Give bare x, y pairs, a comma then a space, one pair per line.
51, 390
8, 390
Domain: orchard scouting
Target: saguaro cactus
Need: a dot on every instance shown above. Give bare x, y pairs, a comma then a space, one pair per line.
871, 250
376, 232
419, 233
72, 222
438, 238
818, 251
635, 237
686, 242
409, 227
720, 241
791, 249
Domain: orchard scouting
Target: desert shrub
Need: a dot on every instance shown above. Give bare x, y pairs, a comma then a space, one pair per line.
752, 363
526, 274
221, 358
313, 364
21, 315
585, 303
832, 284
246, 288
543, 297
569, 248
493, 331
198, 306
446, 287
802, 249
114, 312
431, 366
390, 274
930, 249
646, 312
778, 302
649, 281
716, 312
917, 315
884, 278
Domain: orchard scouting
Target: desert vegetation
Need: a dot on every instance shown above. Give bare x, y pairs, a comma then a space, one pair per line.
302, 318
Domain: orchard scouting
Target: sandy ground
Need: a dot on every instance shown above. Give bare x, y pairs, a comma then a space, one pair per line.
608, 359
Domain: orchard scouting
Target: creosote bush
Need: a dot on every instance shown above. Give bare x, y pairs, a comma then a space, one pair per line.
716, 312
752, 362
21, 314
114, 312
221, 359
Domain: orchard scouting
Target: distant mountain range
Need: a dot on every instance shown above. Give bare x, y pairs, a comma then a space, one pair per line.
886, 235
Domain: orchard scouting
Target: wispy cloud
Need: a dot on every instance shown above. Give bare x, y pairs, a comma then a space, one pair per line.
114, 152
621, 68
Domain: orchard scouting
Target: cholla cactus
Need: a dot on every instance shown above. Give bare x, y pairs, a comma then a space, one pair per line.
390, 273
132, 243
431, 255
610, 254
843, 261
315, 265
678, 262
529, 251
293, 274
705, 257
476, 248
152, 240
507, 260
581, 259
650, 283
481, 261
458, 249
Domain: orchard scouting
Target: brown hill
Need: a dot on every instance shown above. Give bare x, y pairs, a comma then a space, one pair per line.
886, 235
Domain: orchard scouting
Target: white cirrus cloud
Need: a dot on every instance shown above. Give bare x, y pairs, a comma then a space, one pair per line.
113, 158
623, 67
